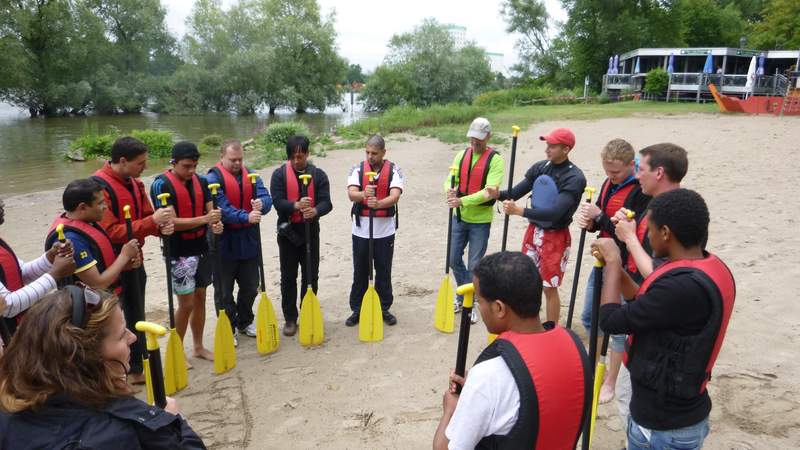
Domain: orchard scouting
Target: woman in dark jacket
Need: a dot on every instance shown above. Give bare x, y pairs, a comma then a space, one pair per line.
63, 382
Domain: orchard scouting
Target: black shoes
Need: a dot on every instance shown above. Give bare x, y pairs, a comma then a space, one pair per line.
389, 318
352, 320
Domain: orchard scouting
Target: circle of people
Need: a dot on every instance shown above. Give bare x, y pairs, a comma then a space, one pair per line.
655, 296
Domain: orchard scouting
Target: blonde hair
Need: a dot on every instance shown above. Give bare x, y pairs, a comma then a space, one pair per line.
49, 355
618, 150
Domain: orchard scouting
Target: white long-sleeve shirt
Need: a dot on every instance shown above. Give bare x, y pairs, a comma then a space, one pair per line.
38, 283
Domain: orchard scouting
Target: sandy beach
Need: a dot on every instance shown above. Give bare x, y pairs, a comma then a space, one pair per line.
349, 395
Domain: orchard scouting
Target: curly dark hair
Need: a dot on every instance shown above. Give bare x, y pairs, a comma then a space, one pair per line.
513, 278
685, 213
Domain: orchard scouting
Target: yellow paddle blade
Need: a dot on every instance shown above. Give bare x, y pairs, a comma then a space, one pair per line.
267, 336
176, 375
224, 351
598, 382
148, 381
490, 338
370, 320
444, 317
312, 330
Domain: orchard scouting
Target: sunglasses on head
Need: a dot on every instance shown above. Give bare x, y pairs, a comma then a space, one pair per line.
82, 299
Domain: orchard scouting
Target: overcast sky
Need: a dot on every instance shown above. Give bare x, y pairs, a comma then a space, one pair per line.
364, 28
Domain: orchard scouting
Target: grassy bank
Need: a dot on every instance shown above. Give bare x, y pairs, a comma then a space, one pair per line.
448, 123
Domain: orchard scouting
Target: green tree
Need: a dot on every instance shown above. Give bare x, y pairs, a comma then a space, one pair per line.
354, 74
780, 27
424, 67
706, 23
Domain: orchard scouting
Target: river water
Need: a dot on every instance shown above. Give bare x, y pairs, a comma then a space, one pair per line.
32, 150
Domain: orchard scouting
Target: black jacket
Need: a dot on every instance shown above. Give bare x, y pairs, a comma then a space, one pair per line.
126, 424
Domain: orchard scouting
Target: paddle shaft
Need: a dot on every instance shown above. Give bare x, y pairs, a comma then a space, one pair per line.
449, 228
598, 287
510, 187
370, 246
134, 295
217, 254
307, 223
463, 343
577, 275
168, 262
157, 376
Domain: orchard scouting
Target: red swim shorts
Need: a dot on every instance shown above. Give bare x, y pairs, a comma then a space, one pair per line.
549, 250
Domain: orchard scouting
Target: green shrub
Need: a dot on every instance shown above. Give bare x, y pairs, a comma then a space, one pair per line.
406, 118
280, 132
94, 144
542, 95
158, 142
210, 143
656, 81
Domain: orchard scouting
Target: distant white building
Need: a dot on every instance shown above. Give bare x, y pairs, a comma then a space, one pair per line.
458, 33
496, 62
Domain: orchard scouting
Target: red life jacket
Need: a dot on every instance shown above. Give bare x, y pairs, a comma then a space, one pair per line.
641, 235
472, 179
120, 195
10, 271
614, 202
95, 235
186, 206
293, 191
239, 194
687, 369
385, 175
551, 370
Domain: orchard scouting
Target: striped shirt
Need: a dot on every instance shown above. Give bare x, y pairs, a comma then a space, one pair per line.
38, 283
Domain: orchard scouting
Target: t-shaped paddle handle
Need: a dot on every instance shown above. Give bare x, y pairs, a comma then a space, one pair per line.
371, 176
597, 261
152, 331
515, 131
306, 178
253, 177
630, 214
163, 198
589, 193
468, 291
127, 210
60, 233
213, 187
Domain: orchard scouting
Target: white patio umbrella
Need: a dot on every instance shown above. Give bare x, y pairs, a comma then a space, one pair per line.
751, 76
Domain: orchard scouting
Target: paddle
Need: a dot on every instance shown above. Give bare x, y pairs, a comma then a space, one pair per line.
370, 321
312, 329
133, 282
589, 192
155, 383
267, 336
445, 314
515, 136
596, 374
62, 239
176, 375
224, 350
468, 291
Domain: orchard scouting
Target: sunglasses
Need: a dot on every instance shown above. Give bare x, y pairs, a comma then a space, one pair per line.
83, 300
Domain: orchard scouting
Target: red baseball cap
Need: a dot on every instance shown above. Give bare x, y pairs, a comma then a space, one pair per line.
560, 136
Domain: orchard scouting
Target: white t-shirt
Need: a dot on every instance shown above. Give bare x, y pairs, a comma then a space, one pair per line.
381, 226
488, 405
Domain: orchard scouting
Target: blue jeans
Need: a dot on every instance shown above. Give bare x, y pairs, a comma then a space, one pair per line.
616, 341
686, 438
476, 235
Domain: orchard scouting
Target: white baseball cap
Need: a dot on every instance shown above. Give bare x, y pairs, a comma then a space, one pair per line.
479, 128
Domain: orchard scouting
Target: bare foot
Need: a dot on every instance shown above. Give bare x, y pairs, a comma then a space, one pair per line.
606, 393
136, 378
203, 353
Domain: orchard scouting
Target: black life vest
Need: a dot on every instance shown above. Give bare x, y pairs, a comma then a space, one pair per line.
97, 238
552, 372
384, 178
611, 203
186, 205
239, 193
675, 365
293, 191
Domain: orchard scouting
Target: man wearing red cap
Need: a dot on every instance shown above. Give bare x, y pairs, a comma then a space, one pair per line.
547, 240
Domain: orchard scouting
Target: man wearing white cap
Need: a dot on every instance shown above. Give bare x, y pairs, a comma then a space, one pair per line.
556, 185
479, 167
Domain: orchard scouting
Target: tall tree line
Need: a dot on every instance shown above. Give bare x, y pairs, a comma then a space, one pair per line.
596, 29
62, 57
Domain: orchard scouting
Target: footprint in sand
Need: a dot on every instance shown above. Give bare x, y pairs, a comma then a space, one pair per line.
754, 403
